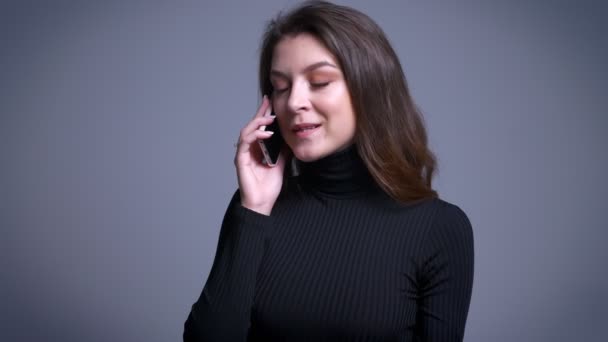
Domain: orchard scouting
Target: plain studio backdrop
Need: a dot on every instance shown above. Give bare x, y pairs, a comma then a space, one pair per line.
116, 137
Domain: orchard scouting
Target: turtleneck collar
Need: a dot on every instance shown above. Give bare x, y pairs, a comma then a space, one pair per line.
340, 174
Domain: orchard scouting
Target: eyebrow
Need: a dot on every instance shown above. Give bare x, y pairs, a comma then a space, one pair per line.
307, 69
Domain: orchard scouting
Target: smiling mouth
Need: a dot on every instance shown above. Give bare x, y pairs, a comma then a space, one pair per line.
305, 131
307, 128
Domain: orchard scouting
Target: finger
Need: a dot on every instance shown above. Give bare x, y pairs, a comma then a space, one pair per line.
251, 138
258, 123
263, 107
266, 116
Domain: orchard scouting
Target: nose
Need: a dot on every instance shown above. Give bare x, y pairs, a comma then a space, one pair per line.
298, 97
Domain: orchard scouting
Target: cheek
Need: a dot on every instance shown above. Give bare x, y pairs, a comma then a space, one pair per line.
340, 110
279, 106
283, 125
344, 124
338, 101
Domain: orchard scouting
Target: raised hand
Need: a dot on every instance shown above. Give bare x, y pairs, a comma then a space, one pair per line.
259, 184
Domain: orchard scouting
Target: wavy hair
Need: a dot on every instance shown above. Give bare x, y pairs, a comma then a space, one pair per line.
390, 133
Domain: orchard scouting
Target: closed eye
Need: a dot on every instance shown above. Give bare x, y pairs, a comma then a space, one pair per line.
319, 85
279, 91
316, 85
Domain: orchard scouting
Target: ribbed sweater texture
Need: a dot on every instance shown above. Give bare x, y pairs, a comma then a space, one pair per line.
338, 260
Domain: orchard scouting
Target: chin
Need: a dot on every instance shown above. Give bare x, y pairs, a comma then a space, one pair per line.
306, 157
308, 154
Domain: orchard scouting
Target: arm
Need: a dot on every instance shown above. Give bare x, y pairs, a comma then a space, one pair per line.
446, 277
222, 312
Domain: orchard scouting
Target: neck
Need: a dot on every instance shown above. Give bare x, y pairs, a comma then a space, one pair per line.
340, 174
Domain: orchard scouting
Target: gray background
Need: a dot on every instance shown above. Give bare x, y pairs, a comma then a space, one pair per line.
116, 131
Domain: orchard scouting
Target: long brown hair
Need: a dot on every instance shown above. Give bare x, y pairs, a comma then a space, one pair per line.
390, 136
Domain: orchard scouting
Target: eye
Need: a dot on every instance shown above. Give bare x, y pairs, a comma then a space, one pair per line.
279, 86
280, 91
319, 84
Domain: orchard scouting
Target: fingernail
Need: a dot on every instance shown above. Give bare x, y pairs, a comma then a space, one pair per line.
269, 132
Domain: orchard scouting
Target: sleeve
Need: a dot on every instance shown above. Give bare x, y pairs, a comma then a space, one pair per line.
222, 312
446, 277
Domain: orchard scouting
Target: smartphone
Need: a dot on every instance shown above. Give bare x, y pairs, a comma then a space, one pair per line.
271, 147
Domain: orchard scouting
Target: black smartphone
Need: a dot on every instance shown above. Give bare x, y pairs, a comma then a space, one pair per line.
271, 147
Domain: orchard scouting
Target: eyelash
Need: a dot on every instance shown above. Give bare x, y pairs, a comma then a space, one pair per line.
314, 85
319, 85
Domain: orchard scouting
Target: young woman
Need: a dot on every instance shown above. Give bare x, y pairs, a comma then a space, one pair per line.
351, 243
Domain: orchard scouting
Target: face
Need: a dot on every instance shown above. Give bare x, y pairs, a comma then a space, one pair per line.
310, 98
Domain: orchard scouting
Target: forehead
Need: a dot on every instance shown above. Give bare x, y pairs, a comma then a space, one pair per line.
294, 53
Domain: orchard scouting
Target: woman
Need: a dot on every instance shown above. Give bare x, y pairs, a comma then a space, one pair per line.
356, 246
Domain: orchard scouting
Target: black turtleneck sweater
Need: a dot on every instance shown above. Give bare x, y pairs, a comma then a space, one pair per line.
338, 260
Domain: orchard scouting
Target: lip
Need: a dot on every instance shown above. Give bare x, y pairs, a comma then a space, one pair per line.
296, 129
303, 125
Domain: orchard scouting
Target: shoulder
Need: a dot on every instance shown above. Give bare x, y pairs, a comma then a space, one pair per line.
437, 210
432, 217
450, 214
451, 226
